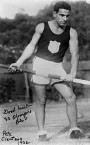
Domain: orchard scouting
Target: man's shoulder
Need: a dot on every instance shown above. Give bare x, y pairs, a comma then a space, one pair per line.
40, 28
73, 31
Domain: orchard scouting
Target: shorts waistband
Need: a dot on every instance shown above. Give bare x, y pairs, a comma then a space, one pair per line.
44, 60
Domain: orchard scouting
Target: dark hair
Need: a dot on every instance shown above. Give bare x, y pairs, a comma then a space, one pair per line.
61, 5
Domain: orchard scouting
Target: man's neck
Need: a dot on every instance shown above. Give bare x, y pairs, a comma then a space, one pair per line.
56, 28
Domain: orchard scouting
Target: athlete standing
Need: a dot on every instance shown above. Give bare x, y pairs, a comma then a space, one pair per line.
52, 39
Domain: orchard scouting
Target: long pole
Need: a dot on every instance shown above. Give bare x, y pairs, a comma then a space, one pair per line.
75, 80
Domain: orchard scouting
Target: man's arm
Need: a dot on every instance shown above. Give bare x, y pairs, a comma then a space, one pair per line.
74, 50
28, 51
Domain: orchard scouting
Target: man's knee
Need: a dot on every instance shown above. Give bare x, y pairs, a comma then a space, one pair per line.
40, 92
71, 99
41, 100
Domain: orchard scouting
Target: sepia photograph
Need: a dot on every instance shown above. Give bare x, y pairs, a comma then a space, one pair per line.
44, 72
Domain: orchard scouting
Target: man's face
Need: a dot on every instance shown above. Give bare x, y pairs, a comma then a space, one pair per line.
62, 17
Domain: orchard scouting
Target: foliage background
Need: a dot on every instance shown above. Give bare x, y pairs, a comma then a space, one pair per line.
16, 33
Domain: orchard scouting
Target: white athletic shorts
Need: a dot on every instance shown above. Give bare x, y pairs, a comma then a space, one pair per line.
45, 67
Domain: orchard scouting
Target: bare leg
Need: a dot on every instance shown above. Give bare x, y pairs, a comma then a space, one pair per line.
40, 106
71, 108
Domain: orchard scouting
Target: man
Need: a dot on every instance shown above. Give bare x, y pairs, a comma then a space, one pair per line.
52, 39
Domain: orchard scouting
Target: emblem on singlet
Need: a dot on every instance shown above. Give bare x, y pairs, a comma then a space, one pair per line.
53, 46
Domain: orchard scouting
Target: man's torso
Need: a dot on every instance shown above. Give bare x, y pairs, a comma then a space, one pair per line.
53, 46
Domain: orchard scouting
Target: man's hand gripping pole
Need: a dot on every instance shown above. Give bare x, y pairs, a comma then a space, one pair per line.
15, 70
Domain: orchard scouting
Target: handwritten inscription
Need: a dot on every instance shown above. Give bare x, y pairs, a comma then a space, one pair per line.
7, 136
6, 111
18, 117
19, 113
